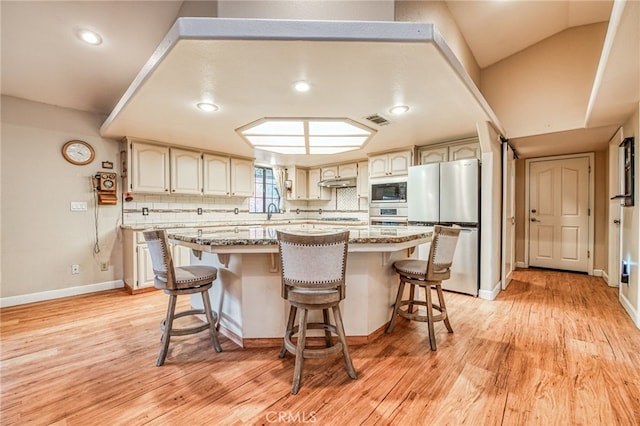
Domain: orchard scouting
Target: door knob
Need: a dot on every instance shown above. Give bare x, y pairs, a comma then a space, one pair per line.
533, 219
533, 210
616, 221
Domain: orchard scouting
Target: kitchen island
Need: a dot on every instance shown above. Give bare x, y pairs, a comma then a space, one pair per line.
248, 295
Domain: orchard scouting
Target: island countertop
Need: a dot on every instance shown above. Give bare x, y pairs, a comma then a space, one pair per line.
264, 238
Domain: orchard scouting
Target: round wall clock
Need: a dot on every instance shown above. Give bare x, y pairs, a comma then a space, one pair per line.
78, 152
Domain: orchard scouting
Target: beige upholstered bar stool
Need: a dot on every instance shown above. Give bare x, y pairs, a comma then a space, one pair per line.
427, 274
177, 281
313, 278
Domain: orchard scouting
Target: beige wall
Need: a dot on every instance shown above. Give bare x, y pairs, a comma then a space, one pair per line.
436, 12
41, 237
545, 88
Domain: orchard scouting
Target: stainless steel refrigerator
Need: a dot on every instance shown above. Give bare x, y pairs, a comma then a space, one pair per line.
448, 193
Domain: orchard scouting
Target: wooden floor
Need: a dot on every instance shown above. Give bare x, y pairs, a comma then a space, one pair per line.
554, 349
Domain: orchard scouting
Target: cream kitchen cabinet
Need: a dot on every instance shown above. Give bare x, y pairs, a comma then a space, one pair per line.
314, 190
465, 151
450, 152
299, 183
228, 176
434, 155
390, 164
186, 171
242, 178
362, 187
341, 171
147, 168
138, 270
217, 176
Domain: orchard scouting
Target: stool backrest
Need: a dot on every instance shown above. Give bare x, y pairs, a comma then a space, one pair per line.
313, 261
161, 259
443, 247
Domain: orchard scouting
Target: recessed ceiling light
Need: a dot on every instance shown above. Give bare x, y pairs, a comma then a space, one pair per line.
207, 107
399, 109
89, 37
302, 86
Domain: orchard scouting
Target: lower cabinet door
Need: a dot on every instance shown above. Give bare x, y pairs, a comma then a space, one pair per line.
145, 268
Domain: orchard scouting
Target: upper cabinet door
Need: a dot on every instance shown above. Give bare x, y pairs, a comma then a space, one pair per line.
349, 170
330, 172
378, 166
465, 151
149, 168
216, 175
186, 172
399, 163
242, 178
434, 155
363, 179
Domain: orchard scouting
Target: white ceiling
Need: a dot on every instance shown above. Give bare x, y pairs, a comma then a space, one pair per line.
43, 61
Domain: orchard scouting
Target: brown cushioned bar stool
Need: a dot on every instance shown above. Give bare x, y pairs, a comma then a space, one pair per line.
176, 281
313, 278
427, 274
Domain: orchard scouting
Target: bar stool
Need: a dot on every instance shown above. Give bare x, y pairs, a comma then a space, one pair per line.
313, 278
427, 274
176, 281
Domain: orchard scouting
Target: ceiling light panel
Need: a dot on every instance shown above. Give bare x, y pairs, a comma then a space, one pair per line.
306, 135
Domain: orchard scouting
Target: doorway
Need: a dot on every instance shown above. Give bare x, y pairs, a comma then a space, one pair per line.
614, 212
559, 206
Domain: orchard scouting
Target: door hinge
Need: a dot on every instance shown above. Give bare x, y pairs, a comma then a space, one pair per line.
589, 168
589, 212
588, 254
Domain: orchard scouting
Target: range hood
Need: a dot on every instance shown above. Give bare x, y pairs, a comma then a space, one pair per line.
338, 183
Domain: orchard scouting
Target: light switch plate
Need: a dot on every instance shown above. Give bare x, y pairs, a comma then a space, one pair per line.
78, 206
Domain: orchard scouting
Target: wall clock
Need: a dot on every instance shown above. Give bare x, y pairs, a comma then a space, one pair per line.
78, 152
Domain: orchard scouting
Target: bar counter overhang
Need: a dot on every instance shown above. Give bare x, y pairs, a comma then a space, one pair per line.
247, 294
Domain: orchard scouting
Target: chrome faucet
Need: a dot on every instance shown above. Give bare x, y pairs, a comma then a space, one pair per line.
270, 212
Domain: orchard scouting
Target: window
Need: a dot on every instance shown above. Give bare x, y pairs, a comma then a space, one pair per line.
266, 191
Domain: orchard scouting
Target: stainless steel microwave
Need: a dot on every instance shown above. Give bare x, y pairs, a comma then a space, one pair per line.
388, 190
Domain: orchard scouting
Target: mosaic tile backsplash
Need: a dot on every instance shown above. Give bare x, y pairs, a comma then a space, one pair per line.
183, 209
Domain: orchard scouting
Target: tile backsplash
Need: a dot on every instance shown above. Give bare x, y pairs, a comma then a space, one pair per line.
184, 209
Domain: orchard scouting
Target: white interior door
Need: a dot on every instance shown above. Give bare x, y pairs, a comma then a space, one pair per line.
559, 214
614, 213
508, 215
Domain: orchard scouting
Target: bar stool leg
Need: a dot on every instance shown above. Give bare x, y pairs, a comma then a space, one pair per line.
302, 335
290, 323
432, 332
327, 332
166, 327
443, 307
212, 322
396, 306
345, 349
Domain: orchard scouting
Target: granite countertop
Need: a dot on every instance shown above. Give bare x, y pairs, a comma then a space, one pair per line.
266, 235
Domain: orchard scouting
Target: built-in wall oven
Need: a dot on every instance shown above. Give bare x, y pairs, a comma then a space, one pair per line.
388, 201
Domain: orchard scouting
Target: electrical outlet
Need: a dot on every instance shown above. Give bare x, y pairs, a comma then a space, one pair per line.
145, 211
199, 210
75, 269
104, 266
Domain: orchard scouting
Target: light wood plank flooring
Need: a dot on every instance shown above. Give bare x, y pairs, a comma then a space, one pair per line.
554, 349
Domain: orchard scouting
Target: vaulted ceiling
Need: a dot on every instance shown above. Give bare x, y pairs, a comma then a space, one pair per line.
355, 76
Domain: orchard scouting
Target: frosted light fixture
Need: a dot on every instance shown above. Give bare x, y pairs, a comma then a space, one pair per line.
207, 107
302, 86
306, 135
89, 37
399, 109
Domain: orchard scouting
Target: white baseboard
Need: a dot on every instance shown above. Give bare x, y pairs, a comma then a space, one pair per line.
521, 265
56, 294
630, 310
490, 294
